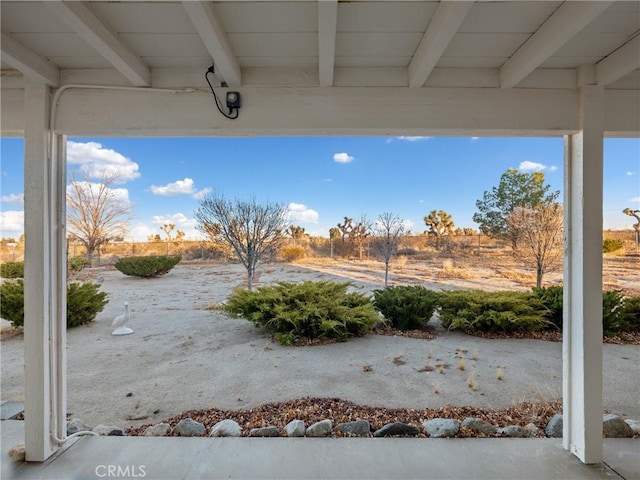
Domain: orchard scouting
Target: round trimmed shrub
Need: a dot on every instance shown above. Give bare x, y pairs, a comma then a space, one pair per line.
152, 266
406, 307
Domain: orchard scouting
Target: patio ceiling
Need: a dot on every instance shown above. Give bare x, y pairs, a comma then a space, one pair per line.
501, 44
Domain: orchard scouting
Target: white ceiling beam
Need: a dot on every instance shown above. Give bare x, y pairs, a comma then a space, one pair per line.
620, 63
565, 23
442, 27
106, 43
215, 40
29, 63
327, 23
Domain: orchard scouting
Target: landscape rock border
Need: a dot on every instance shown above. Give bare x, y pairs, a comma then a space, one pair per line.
614, 426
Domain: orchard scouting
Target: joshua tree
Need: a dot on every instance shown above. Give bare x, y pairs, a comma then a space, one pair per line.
355, 233
387, 232
636, 226
440, 224
296, 233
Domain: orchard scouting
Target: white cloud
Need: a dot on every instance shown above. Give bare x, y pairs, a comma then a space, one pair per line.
117, 195
182, 223
408, 224
201, 194
178, 219
11, 223
299, 212
343, 158
96, 161
140, 232
475, 138
179, 187
529, 166
409, 138
630, 173
635, 200
13, 199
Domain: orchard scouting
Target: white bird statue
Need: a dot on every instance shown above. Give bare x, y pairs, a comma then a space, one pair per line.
120, 322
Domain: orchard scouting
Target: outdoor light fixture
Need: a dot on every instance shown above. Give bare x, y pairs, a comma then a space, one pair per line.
233, 98
233, 101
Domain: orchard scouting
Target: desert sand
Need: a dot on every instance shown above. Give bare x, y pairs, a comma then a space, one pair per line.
184, 354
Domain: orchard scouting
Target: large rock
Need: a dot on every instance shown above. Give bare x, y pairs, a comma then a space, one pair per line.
108, 431
269, 431
514, 431
75, 426
320, 429
533, 429
158, 430
396, 429
189, 428
295, 428
479, 426
226, 428
441, 427
554, 427
359, 427
634, 424
614, 427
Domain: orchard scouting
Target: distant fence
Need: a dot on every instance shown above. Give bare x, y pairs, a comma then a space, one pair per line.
318, 247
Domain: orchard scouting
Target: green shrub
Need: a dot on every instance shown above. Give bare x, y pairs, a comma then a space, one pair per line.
12, 302
78, 263
406, 307
152, 266
619, 313
613, 317
12, 270
311, 310
84, 302
551, 297
631, 311
292, 254
610, 245
504, 311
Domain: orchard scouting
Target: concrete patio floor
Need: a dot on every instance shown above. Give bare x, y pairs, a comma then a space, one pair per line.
169, 458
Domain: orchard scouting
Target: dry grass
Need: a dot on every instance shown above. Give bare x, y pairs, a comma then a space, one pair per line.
462, 364
471, 381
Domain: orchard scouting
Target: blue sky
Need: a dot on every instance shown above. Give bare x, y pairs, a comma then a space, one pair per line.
321, 179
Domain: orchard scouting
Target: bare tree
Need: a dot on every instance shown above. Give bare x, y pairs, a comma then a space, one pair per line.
250, 229
387, 232
96, 212
539, 231
636, 226
440, 224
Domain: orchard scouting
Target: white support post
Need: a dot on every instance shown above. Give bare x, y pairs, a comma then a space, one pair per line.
582, 335
44, 279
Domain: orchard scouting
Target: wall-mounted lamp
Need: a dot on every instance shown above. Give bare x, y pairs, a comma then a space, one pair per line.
233, 98
233, 101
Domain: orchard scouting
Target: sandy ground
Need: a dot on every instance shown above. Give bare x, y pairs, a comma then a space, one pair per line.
183, 355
